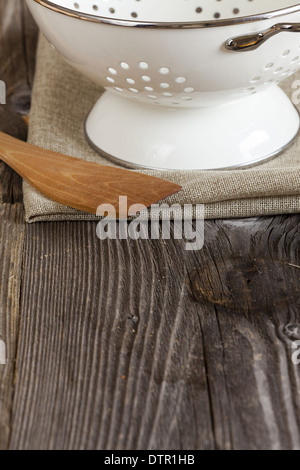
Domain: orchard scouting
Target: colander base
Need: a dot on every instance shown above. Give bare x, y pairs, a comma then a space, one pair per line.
239, 134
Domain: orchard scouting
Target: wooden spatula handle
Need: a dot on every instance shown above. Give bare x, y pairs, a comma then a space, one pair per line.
80, 184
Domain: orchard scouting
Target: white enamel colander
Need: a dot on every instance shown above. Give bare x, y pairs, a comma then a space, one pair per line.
191, 84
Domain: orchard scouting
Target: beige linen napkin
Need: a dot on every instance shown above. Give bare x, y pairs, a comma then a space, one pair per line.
60, 102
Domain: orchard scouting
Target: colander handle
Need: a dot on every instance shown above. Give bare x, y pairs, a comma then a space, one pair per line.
251, 42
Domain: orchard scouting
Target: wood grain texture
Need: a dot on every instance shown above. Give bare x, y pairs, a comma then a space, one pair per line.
80, 184
125, 344
110, 354
249, 273
18, 37
16, 70
11, 249
10, 181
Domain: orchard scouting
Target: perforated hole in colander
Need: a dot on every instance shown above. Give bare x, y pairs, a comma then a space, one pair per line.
159, 83
174, 10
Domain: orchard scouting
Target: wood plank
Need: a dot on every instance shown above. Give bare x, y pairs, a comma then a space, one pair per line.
248, 276
16, 70
18, 38
129, 345
11, 249
110, 351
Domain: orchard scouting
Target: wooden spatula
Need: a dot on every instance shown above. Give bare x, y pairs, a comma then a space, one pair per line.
80, 184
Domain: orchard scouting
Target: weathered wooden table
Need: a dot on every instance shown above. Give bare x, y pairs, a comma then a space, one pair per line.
140, 345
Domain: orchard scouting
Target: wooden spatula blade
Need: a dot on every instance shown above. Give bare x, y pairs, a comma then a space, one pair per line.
80, 184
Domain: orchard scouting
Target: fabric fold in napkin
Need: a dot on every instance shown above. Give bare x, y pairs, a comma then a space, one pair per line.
61, 101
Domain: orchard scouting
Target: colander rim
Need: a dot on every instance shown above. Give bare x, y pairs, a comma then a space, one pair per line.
168, 25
